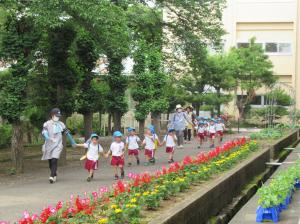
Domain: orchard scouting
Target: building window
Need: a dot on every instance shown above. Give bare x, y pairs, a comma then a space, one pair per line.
285, 48
242, 45
271, 47
257, 100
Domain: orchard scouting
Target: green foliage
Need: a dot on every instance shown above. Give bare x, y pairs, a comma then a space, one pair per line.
268, 133
280, 96
5, 134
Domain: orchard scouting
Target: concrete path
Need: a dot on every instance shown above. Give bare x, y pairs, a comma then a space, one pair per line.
32, 191
247, 215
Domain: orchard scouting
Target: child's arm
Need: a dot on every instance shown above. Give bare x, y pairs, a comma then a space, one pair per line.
80, 145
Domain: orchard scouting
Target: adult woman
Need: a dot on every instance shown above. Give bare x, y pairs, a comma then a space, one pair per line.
178, 122
52, 148
189, 124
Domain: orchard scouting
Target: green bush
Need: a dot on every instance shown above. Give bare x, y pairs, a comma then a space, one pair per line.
5, 135
268, 133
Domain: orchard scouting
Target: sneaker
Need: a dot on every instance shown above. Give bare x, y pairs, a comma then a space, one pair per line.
54, 179
129, 164
89, 179
169, 161
212, 146
51, 180
138, 162
122, 175
146, 164
92, 176
181, 146
199, 147
116, 177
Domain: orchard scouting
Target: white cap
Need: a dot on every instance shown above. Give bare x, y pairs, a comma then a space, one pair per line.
178, 106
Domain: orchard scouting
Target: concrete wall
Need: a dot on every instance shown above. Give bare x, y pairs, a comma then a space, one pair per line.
214, 195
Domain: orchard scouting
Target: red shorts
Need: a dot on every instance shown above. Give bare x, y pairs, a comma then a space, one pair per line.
201, 135
220, 133
91, 165
133, 152
169, 149
149, 153
212, 135
117, 161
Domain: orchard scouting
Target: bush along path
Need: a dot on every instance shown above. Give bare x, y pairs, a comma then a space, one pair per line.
276, 196
123, 202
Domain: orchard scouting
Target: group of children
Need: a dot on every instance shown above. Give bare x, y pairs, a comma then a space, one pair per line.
210, 128
206, 128
132, 146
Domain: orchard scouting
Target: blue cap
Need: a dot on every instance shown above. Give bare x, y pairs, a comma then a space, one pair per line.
94, 135
151, 128
117, 134
205, 118
171, 130
130, 129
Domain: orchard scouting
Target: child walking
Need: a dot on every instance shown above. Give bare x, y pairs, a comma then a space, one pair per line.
117, 149
150, 142
212, 132
92, 156
170, 141
133, 147
220, 128
201, 133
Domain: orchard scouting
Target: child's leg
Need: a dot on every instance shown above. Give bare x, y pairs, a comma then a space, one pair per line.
116, 171
122, 171
137, 159
130, 160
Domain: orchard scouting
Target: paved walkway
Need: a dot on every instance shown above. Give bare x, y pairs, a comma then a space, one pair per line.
247, 215
32, 191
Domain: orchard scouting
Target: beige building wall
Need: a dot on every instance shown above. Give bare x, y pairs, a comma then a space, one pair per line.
272, 23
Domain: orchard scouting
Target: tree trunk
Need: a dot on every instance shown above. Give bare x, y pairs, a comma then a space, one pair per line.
109, 125
63, 156
141, 128
241, 112
100, 123
156, 122
88, 124
28, 133
17, 148
117, 121
197, 109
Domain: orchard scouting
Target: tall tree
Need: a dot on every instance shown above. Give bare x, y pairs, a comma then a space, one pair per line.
87, 96
18, 41
252, 69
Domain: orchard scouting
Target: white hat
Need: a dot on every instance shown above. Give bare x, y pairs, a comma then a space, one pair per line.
178, 106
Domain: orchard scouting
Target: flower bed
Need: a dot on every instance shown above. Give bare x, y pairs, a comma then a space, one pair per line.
125, 200
276, 196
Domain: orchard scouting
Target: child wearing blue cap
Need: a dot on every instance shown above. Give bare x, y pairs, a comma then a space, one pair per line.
150, 142
117, 150
132, 145
212, 132
170, 141
201, 132
220, 128
92, 156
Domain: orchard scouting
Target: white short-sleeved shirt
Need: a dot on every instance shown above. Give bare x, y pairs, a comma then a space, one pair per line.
132, 141
170, 140
149, 141
212, 129
220, 127
201, 130
117, 148
93, 151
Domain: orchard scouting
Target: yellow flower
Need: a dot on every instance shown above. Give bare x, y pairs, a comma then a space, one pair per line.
118, 210
114, 206
133, 200
137, 194
103, 221
130, 206
146, 193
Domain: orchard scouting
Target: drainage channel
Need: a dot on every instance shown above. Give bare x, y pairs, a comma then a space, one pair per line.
229, 212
